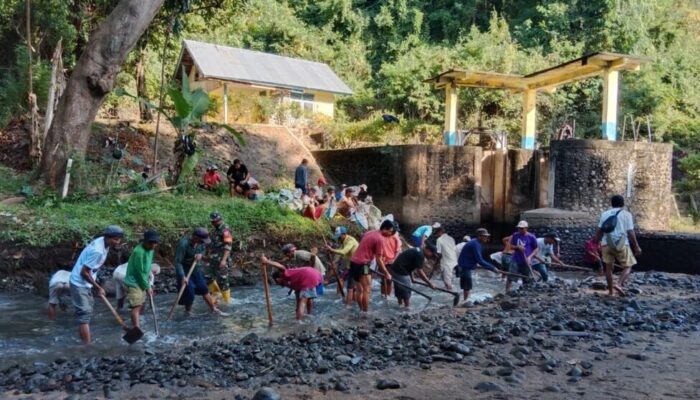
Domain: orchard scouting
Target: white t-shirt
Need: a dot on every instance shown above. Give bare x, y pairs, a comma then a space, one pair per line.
458, 248
446, 247
624, 224
304, 255
93, 256
61, 277
545, 250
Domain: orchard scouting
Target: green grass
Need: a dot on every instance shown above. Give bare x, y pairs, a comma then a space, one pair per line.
45, 222
11, 182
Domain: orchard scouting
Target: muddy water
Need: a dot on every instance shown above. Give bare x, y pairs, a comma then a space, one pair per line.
26, 335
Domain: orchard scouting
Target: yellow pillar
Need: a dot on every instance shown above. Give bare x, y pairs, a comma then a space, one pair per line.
529, 119
610, 87
450, 132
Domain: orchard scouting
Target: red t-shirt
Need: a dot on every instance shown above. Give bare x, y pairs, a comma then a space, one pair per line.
391, 248
371, 245
211, 179
591, 246
303, 278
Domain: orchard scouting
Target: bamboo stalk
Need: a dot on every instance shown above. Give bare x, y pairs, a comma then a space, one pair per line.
266, 285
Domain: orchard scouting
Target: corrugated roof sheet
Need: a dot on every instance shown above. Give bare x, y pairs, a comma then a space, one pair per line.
241, 65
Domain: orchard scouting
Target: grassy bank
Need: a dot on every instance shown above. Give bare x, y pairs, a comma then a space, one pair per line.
45, 221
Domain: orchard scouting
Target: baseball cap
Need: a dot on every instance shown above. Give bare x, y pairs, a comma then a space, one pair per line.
151, 236
215, 216
202, 234
522, 224
339, 231
113, 231
437, 225
287, 248
482, 232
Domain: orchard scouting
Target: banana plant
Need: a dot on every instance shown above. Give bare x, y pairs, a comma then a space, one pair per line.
189, 106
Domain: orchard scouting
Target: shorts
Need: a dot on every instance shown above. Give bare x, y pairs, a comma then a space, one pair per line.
83, 303
306, 294
402, 291
320, 289
135, 296
506, 261
465, 281
447, 275
197, 285
624, 257
357, 271
57, 292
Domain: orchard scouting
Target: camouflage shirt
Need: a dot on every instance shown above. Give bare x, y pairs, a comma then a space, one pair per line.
221, 241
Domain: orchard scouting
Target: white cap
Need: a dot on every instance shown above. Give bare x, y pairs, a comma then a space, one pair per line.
522, 224
155, 269
466, 238
436, 225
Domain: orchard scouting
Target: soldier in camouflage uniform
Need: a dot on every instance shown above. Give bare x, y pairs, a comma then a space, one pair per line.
220, 257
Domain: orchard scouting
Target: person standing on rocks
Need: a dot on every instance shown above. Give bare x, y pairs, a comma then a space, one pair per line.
445, 246
59, 288
409, 261
348, 245
371, 248
301, 176
303, 281
525, 246
191, 248
138, 274
220, 253
470, 258
84, 274
619, 242
545, 254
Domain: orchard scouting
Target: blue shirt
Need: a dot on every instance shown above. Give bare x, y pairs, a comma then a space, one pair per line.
471, 256
425, 230
301, 175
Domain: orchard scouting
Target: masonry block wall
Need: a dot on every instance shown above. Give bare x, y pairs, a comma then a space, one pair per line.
417, 183
586, 173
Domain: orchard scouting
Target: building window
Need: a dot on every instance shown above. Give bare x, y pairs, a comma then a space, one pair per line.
305, 100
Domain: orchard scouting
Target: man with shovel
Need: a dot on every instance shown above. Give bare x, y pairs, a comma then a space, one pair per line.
138, 272
525, 245
403, 267
188, 255
84, 274
472, 257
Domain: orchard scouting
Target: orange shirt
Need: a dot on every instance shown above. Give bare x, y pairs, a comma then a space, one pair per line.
391, 248
211, 179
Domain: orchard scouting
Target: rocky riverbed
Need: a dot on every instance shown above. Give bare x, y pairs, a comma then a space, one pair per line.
556, 339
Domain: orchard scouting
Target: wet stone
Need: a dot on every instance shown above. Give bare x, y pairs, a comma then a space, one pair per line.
488, 387
384, 384
267, 393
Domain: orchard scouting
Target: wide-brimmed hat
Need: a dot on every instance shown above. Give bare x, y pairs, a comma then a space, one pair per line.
482, 232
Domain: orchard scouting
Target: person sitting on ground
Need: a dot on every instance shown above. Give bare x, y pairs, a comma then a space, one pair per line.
525, 248
348, 204
593, 256
237, 175
471, 257
409, 261
348, 246
445, 246
371, 248
190, 250
545, 254
422, 233
211, 178
619, 243
303, 281
83, 277
138, 274
312, 207
301, 176
362, 194
329, 203
120, 288
59, 291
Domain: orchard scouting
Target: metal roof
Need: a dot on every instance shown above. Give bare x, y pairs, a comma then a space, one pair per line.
570, 71
258, 68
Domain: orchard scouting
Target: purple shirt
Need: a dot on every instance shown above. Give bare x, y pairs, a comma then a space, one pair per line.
528, 240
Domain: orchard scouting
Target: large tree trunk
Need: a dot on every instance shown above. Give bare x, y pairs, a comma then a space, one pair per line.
144, 111
92, 79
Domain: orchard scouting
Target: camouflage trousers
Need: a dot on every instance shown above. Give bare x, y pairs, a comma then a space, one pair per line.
220, 276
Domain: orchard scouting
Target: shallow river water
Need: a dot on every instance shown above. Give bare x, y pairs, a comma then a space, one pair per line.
26, 334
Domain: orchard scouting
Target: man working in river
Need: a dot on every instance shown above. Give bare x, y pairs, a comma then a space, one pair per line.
392, 249
118, 277
348, 246
138, 273
84, 274
191, 248
371, 247
302, 280
445, 246
525, 248
59, 287
471, 257
220, 261
409, 261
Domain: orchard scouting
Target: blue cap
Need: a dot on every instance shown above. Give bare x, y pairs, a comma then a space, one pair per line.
339, 231
113, 231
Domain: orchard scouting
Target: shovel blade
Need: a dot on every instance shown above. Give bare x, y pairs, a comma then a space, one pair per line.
133, 335
455, 300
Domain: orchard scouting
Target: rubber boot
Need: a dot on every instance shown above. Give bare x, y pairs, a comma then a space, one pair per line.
214, 291
226, 295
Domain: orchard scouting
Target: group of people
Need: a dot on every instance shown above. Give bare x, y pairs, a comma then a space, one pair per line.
240, 181
203, 263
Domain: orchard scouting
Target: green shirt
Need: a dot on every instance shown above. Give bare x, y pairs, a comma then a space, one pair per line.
184, 256
139, 268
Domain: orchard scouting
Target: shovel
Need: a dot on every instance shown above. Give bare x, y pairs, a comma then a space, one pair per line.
153, 309
418, 292
455, 300
132, 334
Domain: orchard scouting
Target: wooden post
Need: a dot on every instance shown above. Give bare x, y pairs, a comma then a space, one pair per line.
529, 119
609, 120
450, 132
225, 103
66, 180
266, 285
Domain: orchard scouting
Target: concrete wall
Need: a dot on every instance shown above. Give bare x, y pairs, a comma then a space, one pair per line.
417, 183
586, 173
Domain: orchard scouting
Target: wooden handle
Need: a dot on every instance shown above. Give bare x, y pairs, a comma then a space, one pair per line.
266, 284
153, 309
114, 312
182, 290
